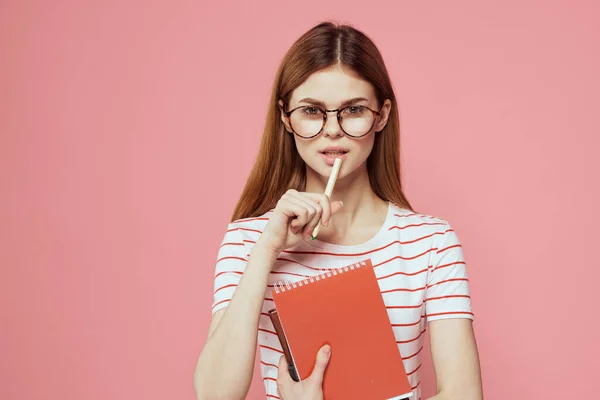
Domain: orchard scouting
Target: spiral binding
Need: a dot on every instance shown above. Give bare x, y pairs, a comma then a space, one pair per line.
282, 286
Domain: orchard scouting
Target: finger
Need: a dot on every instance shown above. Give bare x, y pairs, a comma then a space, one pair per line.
314, 221
313, 201
324, 201
283, 375
308, 218
293, 209
304, 215
323, 357
310, 228
336, 206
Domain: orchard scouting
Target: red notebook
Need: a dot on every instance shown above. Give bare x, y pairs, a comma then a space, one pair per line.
343, 308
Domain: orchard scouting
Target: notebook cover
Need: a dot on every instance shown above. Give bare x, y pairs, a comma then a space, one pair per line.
346, 310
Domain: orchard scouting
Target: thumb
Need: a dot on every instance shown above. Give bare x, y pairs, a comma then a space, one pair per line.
336, 206
321, 363
283, 374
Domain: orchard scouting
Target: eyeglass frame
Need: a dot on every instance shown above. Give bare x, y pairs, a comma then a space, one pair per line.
339, 119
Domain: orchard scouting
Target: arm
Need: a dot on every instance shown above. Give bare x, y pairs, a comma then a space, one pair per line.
455, 360
225, 365
449, 314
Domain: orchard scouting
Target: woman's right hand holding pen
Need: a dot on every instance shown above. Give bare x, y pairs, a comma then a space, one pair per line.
294, 218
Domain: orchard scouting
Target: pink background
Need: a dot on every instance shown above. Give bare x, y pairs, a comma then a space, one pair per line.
127, 130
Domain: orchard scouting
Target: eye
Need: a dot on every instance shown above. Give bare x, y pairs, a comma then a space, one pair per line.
311, 110
354, 110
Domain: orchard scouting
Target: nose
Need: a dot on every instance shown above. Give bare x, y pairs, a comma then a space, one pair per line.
332, 126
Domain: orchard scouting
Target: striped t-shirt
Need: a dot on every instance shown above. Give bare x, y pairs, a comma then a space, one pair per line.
418, 261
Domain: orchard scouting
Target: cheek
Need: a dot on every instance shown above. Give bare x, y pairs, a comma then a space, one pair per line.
302, 147
306, 150
364, 148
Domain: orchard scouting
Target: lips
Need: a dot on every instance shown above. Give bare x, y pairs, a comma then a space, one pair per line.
329, 154
334, 151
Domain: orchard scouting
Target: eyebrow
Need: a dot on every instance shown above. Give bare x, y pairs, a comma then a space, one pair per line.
320, 103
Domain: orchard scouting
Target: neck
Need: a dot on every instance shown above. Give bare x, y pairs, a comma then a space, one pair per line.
361, 207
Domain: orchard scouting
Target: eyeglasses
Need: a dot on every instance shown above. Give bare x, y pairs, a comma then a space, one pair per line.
308, 121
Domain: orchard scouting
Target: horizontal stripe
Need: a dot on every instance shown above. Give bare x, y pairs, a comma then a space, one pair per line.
232, 244
269, 365
421, 238
404, 307
403, 290
410, 324
324, 253
414, 370
228, 272
221, 302
243, 229
447, 265
386, 292
289, 273
448, 280
382, 292
415, 215
450, 296
308, 276
304, 265
262, 346
416, 225
451, 313
413, 355
411, 340
241, 221
448, 248
412, 257
403, 273
225, 287
231, 258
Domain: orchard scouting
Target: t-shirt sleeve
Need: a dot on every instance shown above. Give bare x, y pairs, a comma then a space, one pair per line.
231, 263
448, 293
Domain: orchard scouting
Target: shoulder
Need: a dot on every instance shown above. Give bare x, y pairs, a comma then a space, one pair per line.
423, 231
247, 229
405, 219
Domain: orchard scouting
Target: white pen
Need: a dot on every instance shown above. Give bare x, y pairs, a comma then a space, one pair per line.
329, 188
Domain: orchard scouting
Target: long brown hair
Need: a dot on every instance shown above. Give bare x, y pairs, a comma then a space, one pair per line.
278, 166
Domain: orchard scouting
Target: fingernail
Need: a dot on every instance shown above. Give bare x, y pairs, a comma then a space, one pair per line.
327, 350
341, 204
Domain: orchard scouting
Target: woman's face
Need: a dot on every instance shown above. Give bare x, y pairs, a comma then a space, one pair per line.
334, 89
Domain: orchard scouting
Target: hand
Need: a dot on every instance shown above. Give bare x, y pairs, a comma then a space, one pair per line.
294, 219
308, 389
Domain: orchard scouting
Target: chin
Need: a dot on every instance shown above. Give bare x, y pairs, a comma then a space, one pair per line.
320, 168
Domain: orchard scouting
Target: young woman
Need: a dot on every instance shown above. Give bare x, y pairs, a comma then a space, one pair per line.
332, 97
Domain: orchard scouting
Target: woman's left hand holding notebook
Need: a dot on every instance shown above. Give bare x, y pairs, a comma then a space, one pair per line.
308, 389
